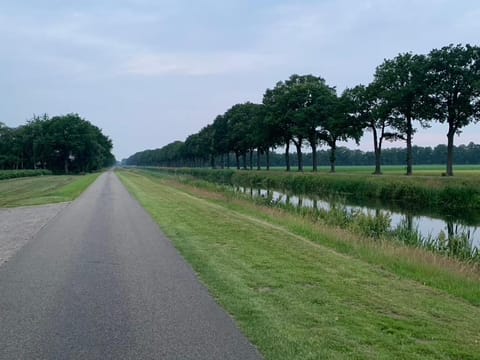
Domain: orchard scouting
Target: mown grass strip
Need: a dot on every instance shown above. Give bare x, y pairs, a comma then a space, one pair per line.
296, 299
43, 189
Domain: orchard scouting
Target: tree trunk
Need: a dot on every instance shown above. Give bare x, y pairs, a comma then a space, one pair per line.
244, 158
268, 157
378, 161
222, 161
287, 155
34, 160
251, 159
228, 160
258, 159
298, 145
409, 146
450, 137
65, 165
333, 157
376, 147
237, 159
314, 155
212, 161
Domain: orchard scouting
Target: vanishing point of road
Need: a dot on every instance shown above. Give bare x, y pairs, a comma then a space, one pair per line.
101, 281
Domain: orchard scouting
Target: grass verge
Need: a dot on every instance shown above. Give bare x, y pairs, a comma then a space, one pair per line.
301, 299
43, 189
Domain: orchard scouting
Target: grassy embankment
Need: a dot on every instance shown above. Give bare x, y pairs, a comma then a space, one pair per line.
418, 170
43, 189
301, 290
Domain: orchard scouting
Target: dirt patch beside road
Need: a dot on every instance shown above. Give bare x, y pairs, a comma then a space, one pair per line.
19, 225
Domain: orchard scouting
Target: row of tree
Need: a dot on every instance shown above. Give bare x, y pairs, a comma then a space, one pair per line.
464, 155
62, 144
443, 86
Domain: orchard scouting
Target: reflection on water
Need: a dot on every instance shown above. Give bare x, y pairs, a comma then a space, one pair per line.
428, 227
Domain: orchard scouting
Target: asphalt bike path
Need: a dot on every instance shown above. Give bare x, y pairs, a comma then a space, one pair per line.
101, 281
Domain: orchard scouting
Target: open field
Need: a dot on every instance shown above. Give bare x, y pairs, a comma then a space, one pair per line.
304, 291
43, 189
418, 170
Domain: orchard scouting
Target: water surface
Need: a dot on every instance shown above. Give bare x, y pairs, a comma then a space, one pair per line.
430, 226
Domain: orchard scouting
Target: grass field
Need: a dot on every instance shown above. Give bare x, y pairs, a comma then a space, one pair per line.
43, 189
418, 170
304, 292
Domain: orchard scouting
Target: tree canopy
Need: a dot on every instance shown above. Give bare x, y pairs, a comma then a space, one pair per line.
66, 143
410, 89
454, 89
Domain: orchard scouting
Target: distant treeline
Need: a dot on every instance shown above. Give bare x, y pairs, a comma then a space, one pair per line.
64, 143
464, 155
408, 92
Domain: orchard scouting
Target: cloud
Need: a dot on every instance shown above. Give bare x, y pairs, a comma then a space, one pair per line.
196, 64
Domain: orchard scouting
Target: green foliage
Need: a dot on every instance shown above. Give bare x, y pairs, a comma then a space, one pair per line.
454, 89
402, 88
12, 174
456, 244
443, 86
375, 226
411, 236
466, 156
60, 144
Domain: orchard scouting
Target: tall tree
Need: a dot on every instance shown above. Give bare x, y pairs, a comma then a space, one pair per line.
402, 84
454, 79
300, 104
369, 109
274, 101
339, 124
220, 138
240, 119
65, 142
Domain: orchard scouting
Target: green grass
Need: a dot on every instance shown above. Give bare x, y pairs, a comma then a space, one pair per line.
301, 299
418, 170
43, 189
12, 174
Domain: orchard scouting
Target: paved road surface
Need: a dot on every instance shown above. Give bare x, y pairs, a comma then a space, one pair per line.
100, 281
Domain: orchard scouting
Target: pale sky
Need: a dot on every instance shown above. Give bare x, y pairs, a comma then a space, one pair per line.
149, 72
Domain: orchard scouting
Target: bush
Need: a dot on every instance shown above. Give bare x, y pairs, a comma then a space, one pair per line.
12, 174
372, 225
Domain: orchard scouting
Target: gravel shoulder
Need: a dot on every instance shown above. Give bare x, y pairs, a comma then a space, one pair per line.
19, 225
